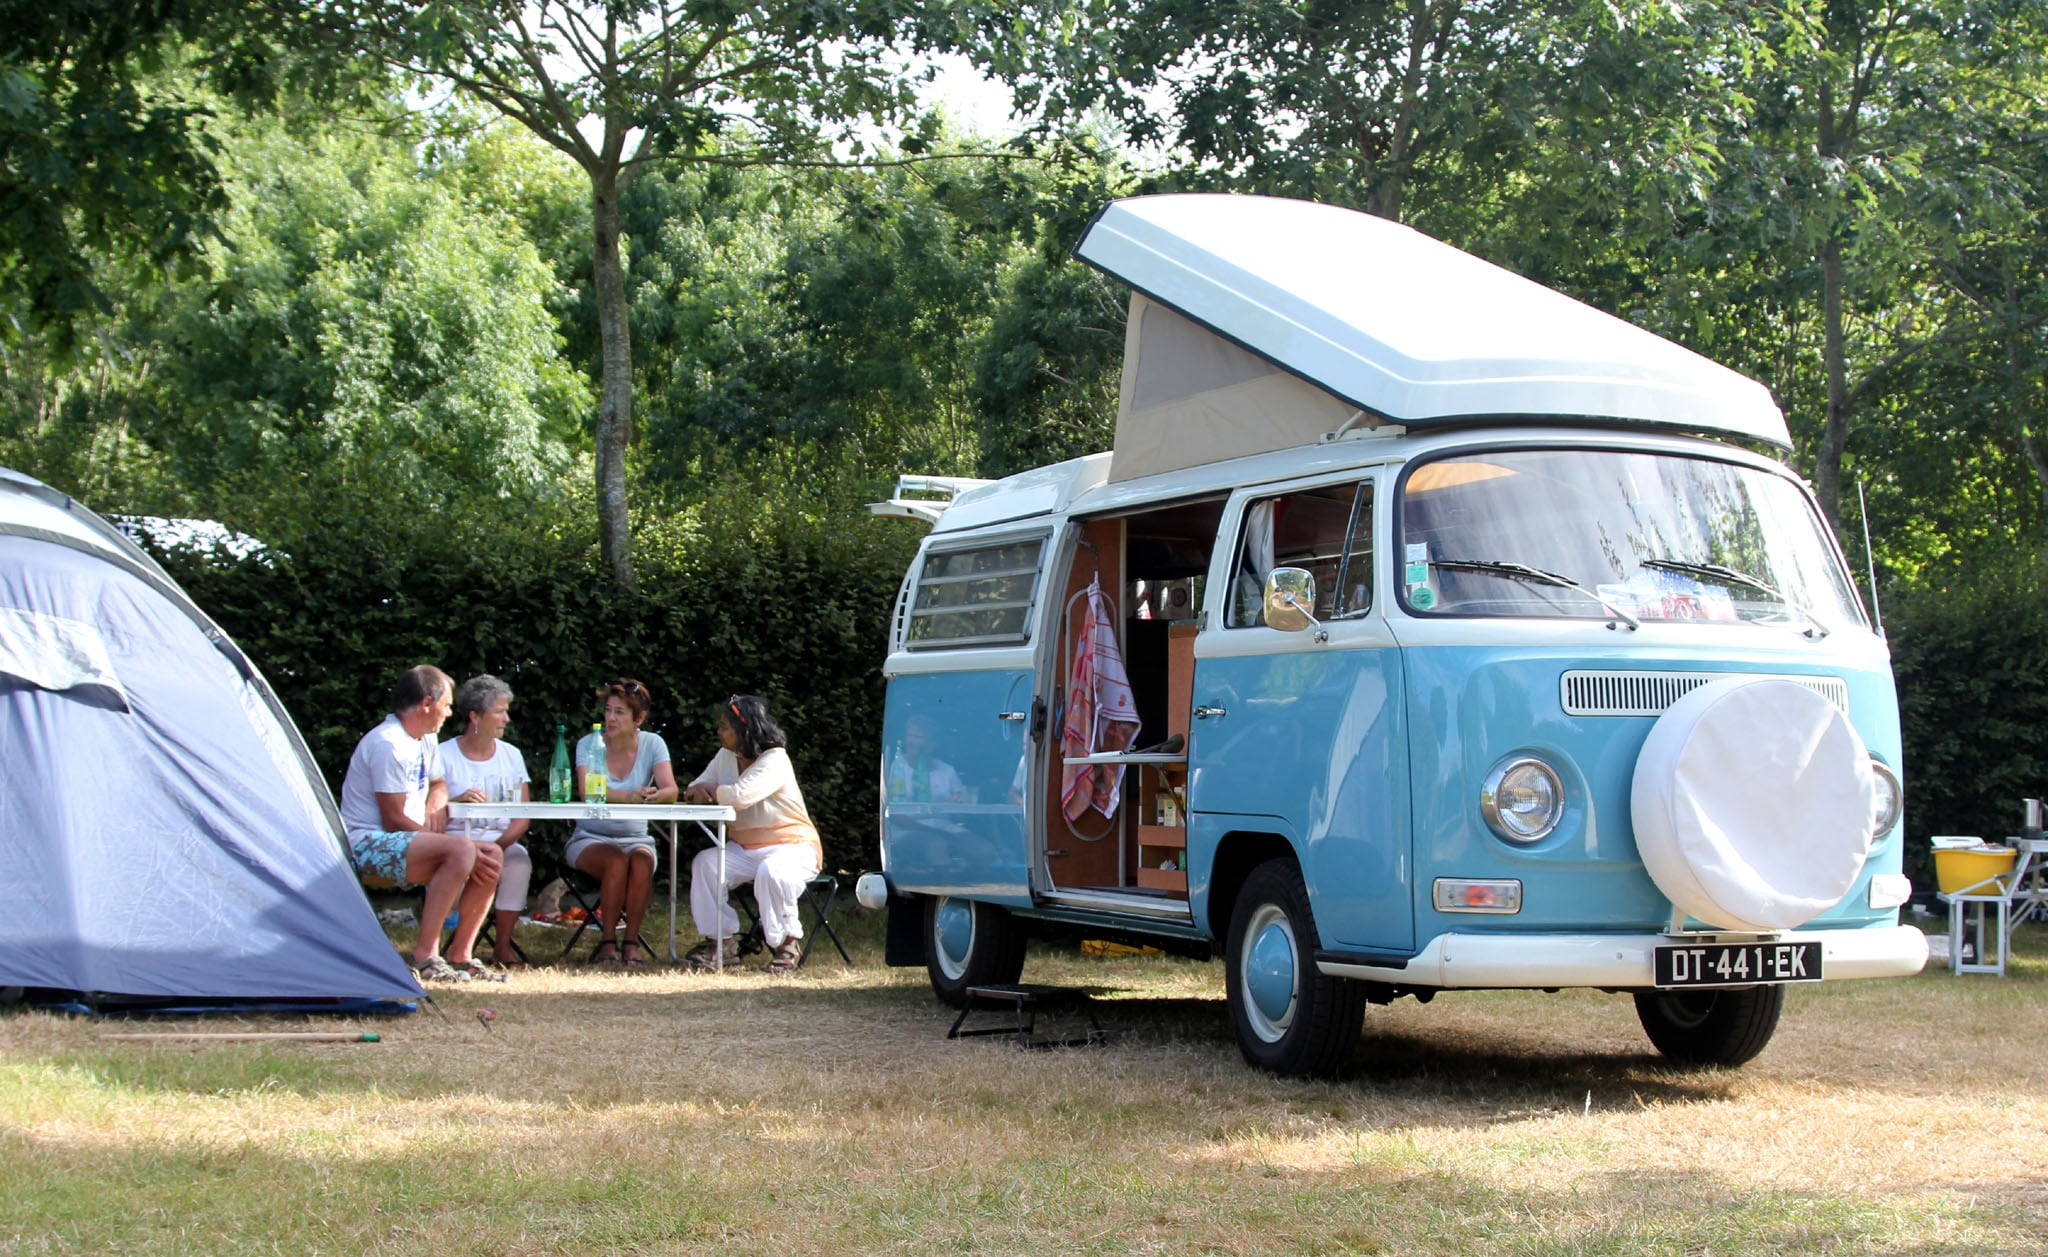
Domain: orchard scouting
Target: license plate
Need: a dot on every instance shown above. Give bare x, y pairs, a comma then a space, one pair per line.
1737, 964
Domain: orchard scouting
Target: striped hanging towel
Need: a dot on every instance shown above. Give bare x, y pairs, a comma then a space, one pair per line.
1101, 715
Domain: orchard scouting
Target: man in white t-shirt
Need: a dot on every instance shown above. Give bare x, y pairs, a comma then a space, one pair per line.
394, 802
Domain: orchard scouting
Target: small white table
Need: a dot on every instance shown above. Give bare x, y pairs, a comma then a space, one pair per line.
710, 818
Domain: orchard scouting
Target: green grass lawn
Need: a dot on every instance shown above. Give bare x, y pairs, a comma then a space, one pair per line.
670, 1113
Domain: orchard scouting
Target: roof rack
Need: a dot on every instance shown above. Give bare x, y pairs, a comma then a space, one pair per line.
927, 509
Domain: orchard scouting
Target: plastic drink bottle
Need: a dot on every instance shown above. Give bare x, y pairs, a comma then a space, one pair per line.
594, 784
899, 774
560, 774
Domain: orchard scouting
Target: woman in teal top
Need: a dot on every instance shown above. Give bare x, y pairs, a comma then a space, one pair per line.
620, 853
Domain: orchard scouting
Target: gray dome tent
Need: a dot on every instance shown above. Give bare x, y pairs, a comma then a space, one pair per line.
164, 832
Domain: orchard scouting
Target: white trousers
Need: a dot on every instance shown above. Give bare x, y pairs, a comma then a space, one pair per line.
779, 874
513, 881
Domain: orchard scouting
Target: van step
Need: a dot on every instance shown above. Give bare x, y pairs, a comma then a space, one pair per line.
1024, 1001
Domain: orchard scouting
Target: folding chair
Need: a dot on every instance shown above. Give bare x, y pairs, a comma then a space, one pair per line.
582, 892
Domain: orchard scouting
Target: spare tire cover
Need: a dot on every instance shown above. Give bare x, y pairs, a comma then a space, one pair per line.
1752, 804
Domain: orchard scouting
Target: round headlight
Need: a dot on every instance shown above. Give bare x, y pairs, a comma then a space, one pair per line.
1522, 800
1887, 800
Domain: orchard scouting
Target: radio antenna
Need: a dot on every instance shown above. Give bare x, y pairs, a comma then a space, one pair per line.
1869, 560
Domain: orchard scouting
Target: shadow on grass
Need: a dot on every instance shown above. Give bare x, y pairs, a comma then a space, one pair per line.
1489, 1062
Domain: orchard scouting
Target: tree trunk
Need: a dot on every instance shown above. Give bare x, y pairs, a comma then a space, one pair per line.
615, 390
1827, 470
1386, 198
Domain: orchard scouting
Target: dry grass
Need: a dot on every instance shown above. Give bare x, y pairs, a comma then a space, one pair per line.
668, 1113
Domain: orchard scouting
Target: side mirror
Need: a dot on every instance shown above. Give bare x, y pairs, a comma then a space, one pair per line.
1290, 599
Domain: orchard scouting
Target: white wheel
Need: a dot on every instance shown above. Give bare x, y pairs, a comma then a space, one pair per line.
969, 943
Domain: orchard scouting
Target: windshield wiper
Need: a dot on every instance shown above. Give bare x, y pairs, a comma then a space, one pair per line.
1522, 571
1728, 575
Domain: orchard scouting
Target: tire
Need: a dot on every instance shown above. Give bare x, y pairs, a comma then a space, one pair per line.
968, 943
1290, 1018
1729, 1026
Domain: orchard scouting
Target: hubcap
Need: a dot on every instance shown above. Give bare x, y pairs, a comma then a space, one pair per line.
953, 936
1266, 973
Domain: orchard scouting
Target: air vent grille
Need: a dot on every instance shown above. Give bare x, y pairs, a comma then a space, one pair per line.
1649, 693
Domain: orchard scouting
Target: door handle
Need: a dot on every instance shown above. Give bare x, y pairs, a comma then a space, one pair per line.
1203, 713
1013, 715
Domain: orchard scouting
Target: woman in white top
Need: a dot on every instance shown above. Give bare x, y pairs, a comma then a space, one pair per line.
771, 841
484, 768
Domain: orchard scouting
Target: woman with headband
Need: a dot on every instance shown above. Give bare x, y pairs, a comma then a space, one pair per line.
771, 841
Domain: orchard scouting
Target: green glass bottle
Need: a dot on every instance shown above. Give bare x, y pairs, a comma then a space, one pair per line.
560, 774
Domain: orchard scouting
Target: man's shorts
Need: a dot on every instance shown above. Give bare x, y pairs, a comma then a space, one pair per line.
382, 855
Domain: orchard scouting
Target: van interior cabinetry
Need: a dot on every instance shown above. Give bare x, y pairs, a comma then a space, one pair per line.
1161, 814
1161, 825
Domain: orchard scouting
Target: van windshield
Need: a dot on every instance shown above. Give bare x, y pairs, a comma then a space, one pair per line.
1603, 534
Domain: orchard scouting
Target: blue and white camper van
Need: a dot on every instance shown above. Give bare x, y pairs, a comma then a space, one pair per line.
1424, 630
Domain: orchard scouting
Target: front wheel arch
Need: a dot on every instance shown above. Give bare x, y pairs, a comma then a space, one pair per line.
1237, 854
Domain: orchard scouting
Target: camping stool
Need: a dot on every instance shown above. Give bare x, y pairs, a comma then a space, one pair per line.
1026, 1000
819, 895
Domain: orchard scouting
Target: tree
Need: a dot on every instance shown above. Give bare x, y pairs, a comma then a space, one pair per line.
104, 152
1993, 258
854, 325
95, 157
619, 86
368, 324
1852, 100
1365, 103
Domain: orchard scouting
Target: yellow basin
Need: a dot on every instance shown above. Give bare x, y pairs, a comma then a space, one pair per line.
1959, 868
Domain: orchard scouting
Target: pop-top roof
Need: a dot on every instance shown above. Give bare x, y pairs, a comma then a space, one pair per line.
1407, 328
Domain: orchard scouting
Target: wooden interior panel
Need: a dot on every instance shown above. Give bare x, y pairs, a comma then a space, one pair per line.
1180, 676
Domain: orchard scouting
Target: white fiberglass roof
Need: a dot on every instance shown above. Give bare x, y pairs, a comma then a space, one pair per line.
1409, 328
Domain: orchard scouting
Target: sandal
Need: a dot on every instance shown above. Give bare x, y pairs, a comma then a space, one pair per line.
630, 961
478, 970
509, 966
606, 956
784, 957
435, 969
703, 958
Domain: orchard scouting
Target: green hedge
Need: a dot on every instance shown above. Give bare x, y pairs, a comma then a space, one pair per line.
795, 610
1972, 667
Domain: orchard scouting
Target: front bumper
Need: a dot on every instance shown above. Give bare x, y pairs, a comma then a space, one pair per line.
1542, 961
